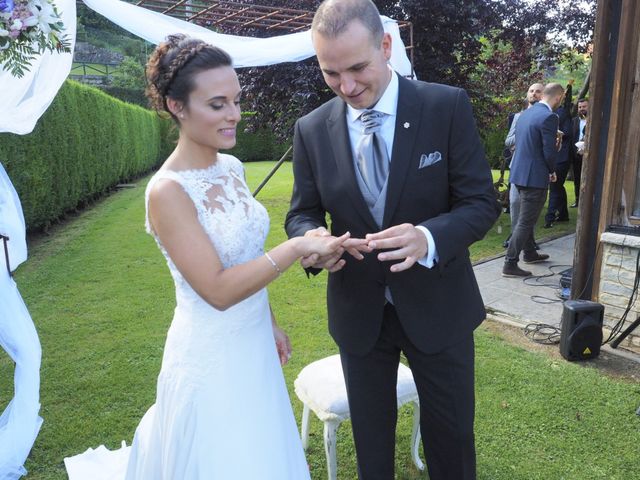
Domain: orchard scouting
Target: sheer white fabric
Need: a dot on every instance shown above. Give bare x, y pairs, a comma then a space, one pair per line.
222, 409
245, 51
25, 99
19, 423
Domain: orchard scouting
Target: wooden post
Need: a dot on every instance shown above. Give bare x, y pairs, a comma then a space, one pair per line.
608, 18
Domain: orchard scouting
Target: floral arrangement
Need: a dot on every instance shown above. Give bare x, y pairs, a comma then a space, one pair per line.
28, 28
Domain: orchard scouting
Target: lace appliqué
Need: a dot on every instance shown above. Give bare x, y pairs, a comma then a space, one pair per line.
234, 221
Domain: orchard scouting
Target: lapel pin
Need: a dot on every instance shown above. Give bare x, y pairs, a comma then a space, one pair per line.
406, 125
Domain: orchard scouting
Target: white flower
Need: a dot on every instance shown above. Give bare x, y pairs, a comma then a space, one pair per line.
43, 16
16, 25
4, 33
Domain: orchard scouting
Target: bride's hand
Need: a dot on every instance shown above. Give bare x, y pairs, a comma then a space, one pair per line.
283, 345
322, 245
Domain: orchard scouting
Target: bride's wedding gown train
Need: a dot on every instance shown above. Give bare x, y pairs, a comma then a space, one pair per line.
222, 409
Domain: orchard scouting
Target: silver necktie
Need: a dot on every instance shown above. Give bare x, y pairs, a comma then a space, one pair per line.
372, 157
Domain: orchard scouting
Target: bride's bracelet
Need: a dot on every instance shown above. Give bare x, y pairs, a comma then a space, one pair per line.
275, 265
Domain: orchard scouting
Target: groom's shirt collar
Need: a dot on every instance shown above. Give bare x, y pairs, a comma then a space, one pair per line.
387, 104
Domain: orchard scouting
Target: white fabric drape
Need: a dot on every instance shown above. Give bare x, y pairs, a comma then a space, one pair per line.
19, 423
25, 99
245, 51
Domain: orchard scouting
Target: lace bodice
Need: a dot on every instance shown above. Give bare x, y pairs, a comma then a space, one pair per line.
234, 221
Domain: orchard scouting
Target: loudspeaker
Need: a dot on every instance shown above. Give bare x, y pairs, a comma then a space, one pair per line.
581, 329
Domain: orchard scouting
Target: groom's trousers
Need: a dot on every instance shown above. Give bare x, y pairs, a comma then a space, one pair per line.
445, 383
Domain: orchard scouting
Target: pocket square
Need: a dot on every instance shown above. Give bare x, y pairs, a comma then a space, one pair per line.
427, 160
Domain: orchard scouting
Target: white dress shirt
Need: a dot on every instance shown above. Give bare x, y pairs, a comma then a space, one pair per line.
388, 104
583, 123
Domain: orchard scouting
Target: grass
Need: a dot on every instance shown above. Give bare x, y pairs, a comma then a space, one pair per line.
101, 297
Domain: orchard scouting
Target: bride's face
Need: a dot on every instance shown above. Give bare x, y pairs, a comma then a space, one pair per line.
213, 112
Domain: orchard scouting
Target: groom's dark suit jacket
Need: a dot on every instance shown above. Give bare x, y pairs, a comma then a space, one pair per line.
453, 198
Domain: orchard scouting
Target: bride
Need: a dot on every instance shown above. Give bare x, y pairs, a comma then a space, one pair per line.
222, 409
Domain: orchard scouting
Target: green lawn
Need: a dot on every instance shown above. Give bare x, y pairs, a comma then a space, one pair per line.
102, 299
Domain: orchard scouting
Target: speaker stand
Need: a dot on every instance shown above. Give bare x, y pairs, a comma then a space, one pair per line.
625, 333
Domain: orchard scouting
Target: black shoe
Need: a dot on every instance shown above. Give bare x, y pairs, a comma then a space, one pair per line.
535, 257
511, 270
536, 246
505, 244
575, 205
548, 225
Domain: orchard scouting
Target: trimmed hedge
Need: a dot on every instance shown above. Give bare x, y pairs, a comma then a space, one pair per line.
256, 146
84, 144
129, 95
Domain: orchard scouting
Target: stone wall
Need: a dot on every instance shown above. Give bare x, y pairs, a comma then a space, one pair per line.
619, 256
86, 53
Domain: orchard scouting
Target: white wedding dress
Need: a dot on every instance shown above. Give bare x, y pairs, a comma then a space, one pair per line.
222, 410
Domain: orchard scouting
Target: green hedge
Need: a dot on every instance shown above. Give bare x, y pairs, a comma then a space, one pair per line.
256, 146
83, 145
129, 95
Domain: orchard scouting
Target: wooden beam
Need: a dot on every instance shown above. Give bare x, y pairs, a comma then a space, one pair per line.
616, 167
630, 120
585, 259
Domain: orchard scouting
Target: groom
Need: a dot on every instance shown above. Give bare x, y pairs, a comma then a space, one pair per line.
411, 183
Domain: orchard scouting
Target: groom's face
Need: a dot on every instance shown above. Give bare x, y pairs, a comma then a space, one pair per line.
354, 66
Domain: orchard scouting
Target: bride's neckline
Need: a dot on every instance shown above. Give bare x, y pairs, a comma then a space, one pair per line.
197, 170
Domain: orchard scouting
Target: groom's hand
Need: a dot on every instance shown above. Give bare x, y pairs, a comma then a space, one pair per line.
334, 262
410, 245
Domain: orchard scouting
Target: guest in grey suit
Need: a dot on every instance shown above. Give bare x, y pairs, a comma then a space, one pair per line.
532, 168
399, 164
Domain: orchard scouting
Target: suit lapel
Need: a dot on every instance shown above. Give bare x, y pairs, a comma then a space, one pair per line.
341, 146
407, 127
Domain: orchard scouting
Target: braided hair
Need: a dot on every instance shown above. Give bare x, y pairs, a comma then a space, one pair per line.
174, 63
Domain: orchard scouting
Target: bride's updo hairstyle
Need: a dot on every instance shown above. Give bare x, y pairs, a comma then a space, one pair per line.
173, 65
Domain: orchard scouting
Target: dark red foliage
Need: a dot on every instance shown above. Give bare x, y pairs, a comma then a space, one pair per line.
447, 39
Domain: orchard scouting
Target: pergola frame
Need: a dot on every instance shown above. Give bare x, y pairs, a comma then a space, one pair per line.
219, 13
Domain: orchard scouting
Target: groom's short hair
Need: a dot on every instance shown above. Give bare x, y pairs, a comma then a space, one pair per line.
334, 16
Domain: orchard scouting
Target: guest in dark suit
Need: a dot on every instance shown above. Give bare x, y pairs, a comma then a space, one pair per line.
409, 286
579, 127
557, 210
532, 168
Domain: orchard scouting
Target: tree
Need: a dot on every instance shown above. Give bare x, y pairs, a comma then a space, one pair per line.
492, 48
280, 94
130, 75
